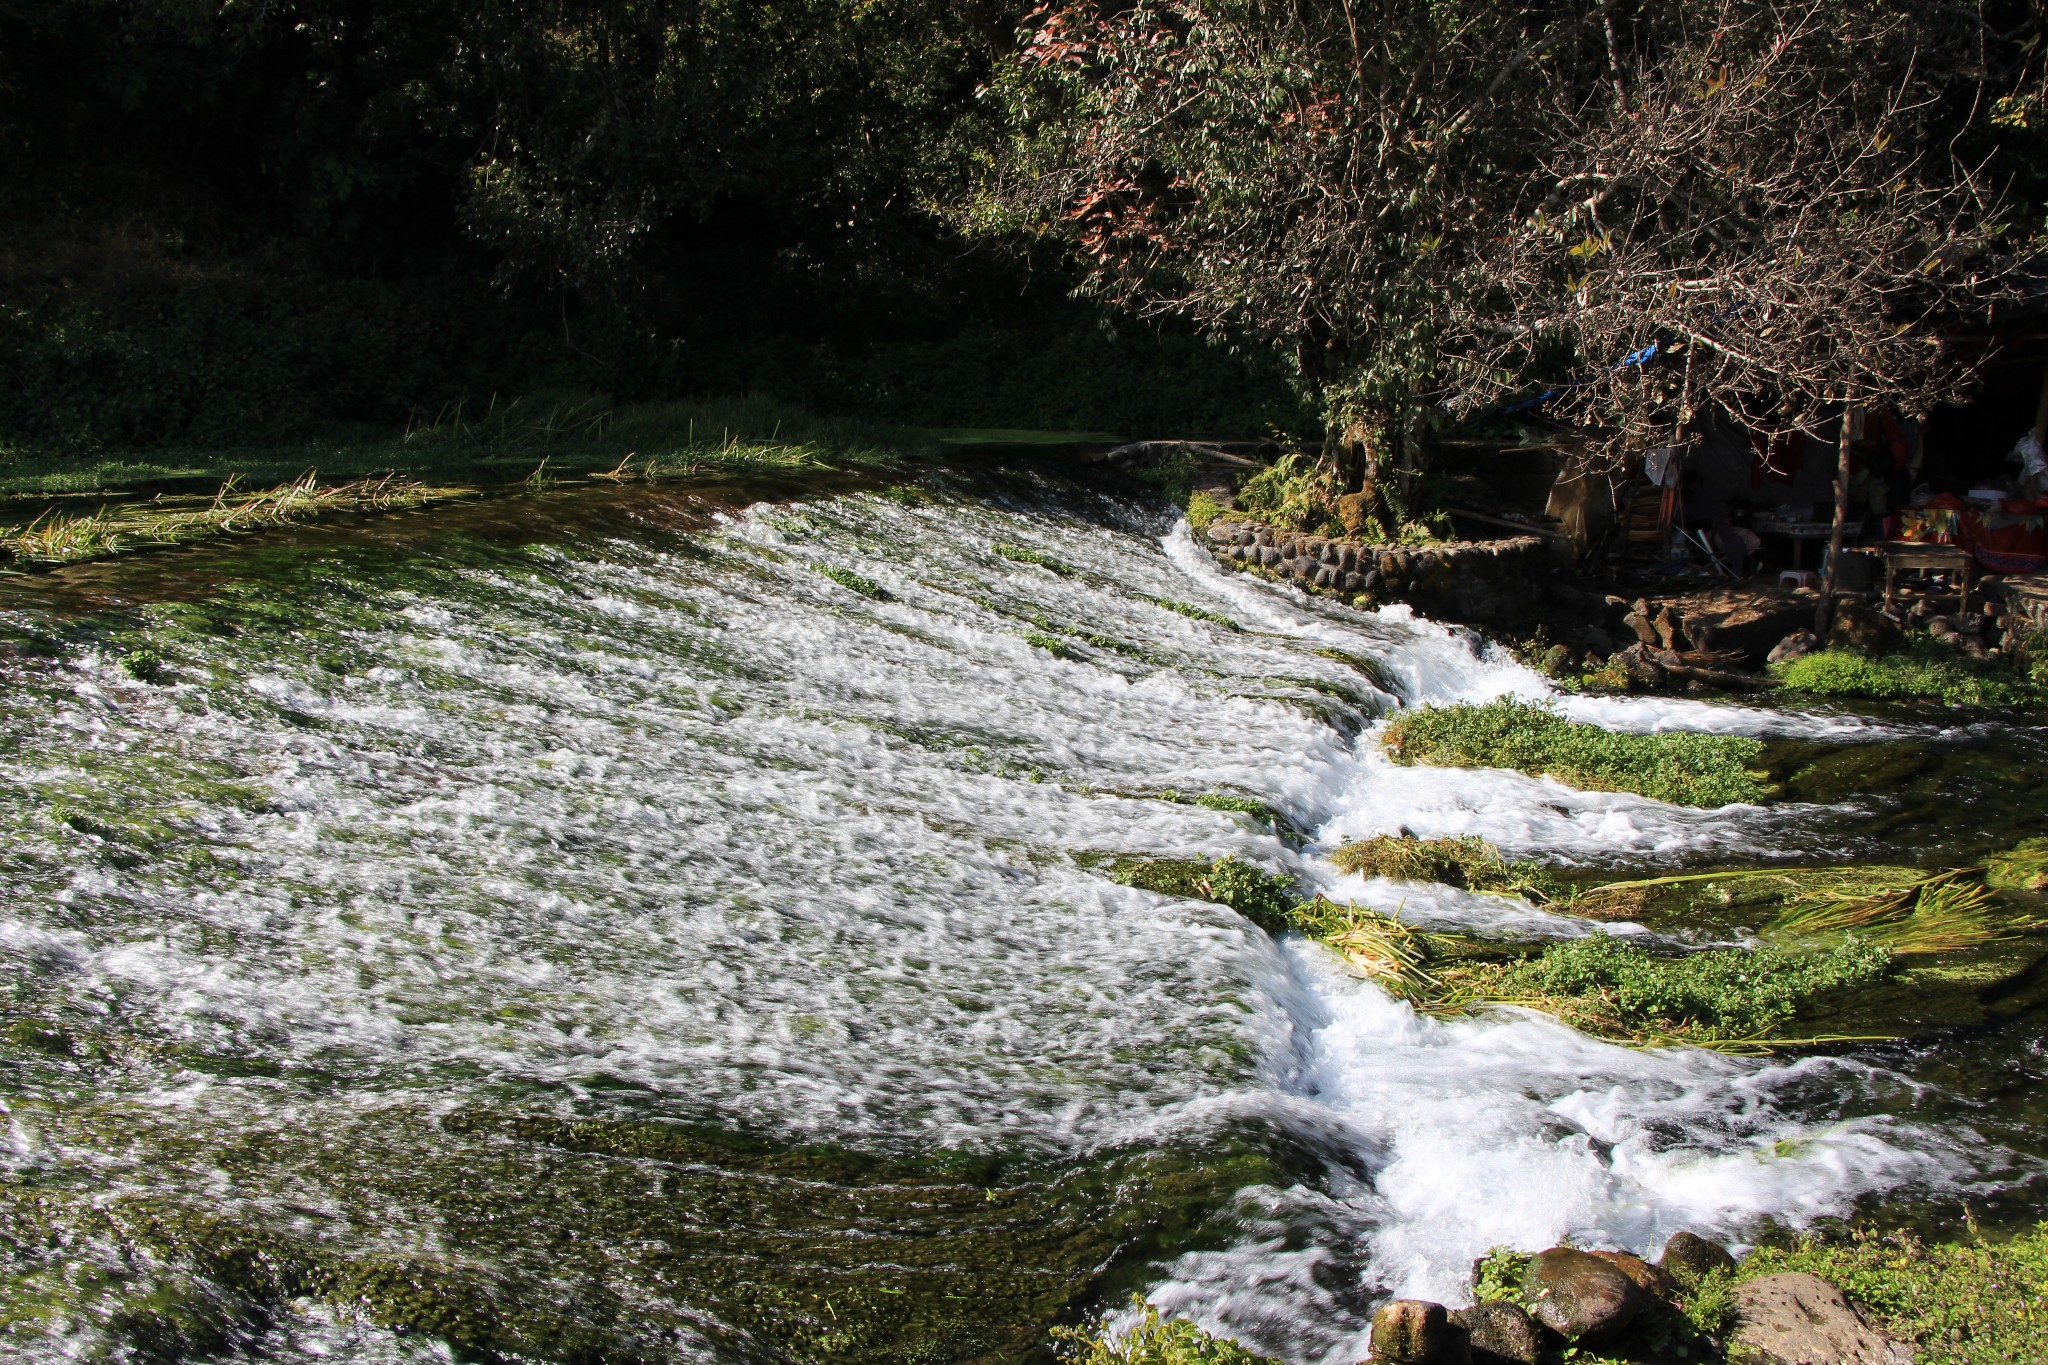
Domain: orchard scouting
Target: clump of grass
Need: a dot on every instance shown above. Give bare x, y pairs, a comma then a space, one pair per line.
1502, 1273
1923, 671
1973, 1301
2024, 868
1905, 910
1021, 554
1372, 944
113, 530
1469, 863
1051, 644
1717, 997
1684, 769
1151, 1340
1262, 897
853, 582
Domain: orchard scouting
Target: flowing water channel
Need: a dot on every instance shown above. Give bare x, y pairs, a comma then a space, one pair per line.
582, 929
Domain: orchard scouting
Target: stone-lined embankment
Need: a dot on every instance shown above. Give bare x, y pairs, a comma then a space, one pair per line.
1492, 582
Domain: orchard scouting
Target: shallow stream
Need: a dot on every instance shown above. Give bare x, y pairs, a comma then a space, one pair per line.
590, 931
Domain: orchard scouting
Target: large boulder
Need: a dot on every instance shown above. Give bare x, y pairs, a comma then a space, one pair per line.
1499, 1333
1651, 1279
1410, 1332
1798, 1319
1581, 1297
1750, 630
1862, 629
1797, 645
1689, 1258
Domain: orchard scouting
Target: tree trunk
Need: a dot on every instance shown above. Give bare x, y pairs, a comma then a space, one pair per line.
2041, 414
1829, 574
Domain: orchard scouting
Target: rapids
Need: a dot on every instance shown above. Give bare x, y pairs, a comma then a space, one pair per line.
629, 940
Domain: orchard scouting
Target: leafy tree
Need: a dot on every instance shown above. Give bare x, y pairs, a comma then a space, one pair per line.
1315, 173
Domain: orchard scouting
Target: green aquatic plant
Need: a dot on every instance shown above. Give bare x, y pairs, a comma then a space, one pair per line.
1684, 769
1020, 554
1609, 986
1502, 1273
1051, 644
1264, 898
143, 665
1469, 863
1151, 1340
2024, 868
853, 582
1925, 671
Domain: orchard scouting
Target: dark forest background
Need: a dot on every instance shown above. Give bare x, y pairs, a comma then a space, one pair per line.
235, 223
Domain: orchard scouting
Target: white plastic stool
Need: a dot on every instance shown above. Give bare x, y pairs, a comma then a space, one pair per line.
1795, 578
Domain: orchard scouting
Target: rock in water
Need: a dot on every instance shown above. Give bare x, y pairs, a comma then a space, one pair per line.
1581, 1297
1798, 1319
1650, 1279
1409, 1332
1689, 1258
1862, 629
1796, 645
1499, 1333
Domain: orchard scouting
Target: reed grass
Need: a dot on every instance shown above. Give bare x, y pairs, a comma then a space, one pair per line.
115, 529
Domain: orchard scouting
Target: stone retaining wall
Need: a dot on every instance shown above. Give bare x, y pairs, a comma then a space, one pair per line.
1490, 582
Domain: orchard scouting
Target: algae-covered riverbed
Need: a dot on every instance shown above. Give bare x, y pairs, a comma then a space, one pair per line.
598, 927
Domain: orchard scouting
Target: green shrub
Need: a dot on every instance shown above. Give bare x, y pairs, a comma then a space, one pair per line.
1152, 1340
1718, 994
1296, 493
1924, 671
1685, 769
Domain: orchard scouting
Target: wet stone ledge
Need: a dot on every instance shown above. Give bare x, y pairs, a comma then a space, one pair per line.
1486, 582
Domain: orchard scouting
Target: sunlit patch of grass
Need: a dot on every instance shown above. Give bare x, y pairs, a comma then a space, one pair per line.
1926, 671
1684, 769
853, 582
1468, 863
1021, 554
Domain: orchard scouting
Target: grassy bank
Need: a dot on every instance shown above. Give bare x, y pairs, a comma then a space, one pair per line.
56, 509
1684, 769
1925, 671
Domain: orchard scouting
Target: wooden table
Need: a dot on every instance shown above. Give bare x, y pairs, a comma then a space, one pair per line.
1906, 554
1799, 532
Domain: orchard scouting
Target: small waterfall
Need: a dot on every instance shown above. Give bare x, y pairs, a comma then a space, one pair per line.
405, 858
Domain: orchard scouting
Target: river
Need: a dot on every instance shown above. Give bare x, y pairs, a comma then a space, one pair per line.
589, 931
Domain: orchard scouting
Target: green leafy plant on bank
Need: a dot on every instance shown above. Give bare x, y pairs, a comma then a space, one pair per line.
1684, 769
1296, 493
1151, 1340
1924, 671
1975, 1301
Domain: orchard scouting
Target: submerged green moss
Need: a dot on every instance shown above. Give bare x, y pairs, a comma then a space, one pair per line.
1020, 554
1684, 769
853, 582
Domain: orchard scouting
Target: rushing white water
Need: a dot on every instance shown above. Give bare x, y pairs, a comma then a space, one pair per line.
700, 824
